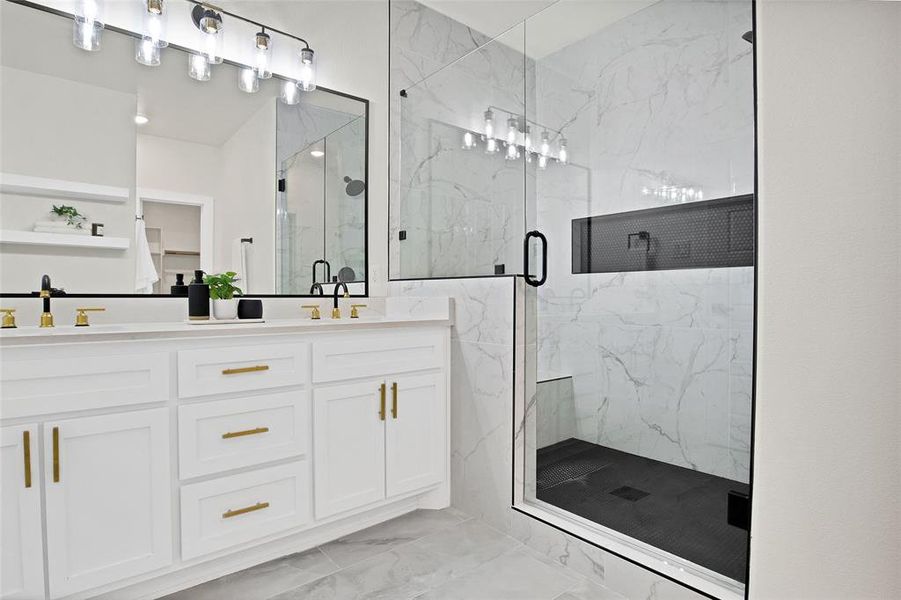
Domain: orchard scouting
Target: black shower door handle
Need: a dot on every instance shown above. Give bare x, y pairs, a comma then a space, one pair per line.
526, 267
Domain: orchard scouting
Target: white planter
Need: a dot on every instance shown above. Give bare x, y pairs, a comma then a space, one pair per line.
225, 309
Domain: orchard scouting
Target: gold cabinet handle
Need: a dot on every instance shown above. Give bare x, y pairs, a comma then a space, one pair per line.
394, 400
56, 455
243, 511
233, 434
245, 370
26, 442
382, 403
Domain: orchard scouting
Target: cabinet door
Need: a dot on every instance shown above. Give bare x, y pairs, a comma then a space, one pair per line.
21, 542
348, 447
416, 429
108, 498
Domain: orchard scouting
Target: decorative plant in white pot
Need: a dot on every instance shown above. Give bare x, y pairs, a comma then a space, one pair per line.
222, 292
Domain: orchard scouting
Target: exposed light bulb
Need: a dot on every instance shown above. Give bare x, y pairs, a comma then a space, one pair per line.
247, 80
512, 131
87, 26
491, 145
290, 93
307, 78
199, 67
545, 148
489, 124
562, 154
262, 41
155, 22
146, 52
469, 141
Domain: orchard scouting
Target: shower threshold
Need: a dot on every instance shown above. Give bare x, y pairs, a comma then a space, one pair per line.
679, 511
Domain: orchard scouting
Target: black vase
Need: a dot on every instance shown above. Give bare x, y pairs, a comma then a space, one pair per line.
250, 308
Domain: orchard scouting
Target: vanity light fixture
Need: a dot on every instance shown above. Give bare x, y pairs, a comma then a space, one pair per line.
199, 67
141, 119
262, 42
469, 141
527, 142
155, 22
290, 94
209, 23
489, 124
545, 149
317, 153
146, 52
247, 80
512, 131
307, 78
87, 27
562, 155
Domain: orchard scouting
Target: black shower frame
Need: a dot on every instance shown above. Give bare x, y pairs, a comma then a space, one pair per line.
364, 101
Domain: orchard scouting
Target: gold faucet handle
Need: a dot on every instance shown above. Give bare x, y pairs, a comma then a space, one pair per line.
81, 314
9, 319
314, 311
354, 313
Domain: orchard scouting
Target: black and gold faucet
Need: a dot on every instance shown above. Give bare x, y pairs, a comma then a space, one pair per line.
336, 312
46, 315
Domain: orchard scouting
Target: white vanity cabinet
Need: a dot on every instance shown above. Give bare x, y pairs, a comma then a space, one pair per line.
107, 484
21, 536
135, 464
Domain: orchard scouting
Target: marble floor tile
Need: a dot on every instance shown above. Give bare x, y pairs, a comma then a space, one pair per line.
468, 545
517, 575
589, 591
380, 538
262, 581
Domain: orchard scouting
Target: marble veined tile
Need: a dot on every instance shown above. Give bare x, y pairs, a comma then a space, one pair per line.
590, 591
519, 575
471, 543
262, 581
380, 538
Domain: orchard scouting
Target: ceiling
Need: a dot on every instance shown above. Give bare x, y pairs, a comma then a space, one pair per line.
552, 25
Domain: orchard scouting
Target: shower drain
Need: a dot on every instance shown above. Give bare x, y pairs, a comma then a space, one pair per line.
567, 470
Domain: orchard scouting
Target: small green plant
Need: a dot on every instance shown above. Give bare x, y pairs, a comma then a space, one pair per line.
222, 285
73, 217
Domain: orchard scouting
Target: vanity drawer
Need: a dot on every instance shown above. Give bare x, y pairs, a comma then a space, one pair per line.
240, 369
379, 353
229, 434
52, 385
222, 513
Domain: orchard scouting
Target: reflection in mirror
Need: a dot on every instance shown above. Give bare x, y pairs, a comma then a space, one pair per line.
100, 153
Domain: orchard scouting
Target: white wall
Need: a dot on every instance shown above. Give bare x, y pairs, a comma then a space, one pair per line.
826, 520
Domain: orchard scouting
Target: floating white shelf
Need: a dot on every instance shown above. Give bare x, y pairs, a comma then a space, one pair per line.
34, 238
27, 185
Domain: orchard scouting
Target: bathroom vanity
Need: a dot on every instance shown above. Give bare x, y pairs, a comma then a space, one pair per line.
139, 460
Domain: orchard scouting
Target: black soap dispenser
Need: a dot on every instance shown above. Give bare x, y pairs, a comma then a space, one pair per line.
179, 289
198, 298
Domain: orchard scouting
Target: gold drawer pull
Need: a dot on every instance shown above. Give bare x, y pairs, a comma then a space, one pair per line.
245, 370
394, 400
234, 434
56, 455
382, 402
26, 442
243, 511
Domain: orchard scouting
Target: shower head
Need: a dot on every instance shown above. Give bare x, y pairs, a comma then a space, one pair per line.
354, 187
748, 36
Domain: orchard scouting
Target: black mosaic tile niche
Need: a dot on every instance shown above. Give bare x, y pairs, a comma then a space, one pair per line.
696, 235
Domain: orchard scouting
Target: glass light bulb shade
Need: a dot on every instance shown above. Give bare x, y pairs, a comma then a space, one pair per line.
247, 80
146, 52
562, 153
155, 22
489, 123
210, 45
512, 131
307, 78
527, 143
86, 34
512, 152
199, 67
262, 54
545, 144
542, 162
469, 141
491, 145
210, 22
290, 93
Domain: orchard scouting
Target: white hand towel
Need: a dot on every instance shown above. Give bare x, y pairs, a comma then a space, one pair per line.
145, 271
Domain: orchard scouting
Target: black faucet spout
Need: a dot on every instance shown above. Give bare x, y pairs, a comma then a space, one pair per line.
338, 286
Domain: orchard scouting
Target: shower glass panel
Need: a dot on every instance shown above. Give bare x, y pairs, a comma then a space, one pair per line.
462, 183
639, 343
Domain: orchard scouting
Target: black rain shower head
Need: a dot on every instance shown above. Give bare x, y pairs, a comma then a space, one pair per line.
354, 187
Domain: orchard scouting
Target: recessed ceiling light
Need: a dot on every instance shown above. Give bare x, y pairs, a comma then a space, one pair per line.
141, 120
317, 153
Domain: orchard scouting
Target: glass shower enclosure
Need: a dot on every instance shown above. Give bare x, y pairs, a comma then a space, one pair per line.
611, 164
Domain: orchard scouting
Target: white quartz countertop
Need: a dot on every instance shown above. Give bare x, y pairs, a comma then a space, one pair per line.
400, 314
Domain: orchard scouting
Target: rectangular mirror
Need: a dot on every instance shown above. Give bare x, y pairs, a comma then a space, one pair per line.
99, 152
